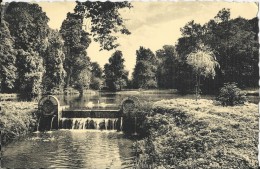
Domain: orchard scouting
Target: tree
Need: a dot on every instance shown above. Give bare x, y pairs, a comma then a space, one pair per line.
53, 61
144, 75
28, 26
235, 45
223, 15
76, 41
203, 63
115, 75
167, 65
82, 80
7, 59
96, 76
106, 21
30, 73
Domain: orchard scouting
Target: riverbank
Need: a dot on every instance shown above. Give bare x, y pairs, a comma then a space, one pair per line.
17, 119
184, 133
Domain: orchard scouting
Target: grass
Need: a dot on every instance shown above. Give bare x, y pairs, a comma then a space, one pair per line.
189, 134
17, 119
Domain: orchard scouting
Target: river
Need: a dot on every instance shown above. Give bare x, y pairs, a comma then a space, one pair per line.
92, 149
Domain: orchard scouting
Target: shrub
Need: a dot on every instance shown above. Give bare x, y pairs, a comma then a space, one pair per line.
17, 119
231, 95
135, 121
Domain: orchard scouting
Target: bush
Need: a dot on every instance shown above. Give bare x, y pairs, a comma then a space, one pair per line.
231, 95
135, 121
17, 119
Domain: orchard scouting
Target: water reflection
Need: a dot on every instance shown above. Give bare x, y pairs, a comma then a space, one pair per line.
70, 149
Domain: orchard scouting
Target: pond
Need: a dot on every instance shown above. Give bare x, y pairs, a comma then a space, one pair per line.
70, 149
109, 100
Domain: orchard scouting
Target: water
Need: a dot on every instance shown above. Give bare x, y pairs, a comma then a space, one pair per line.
104, 100
92, 149
89, 123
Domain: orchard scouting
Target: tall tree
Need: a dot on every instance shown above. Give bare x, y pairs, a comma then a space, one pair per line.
53, 61
7, 59
203, 63
167, 65
115, 75
144, 75
28, 26
76, 41
30, 73
106, 21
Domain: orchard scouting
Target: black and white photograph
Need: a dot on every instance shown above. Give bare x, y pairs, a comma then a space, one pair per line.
129, 84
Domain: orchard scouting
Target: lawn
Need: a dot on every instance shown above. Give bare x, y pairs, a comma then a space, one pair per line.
184, 134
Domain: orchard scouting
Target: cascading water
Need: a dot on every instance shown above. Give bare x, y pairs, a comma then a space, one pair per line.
38, 124
121, 123
52, 121
89, 123
135, 133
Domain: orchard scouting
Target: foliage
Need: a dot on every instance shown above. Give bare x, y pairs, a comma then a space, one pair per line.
144, 75
53, 61
17, 119
30, 72
115, 75
167, 65
203, 63
235, 46
231, 95
28, 26
76, 41
7, 59
134, 121
185, 135
106, 21
96, 76
82, 80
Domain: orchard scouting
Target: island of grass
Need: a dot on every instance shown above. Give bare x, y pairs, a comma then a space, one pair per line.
184, 133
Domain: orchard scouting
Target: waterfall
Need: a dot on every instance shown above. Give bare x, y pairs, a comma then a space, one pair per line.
52, 122
38, 124
121, 123
135, 133
89, 123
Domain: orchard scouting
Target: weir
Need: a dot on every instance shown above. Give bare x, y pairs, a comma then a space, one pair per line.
52, 116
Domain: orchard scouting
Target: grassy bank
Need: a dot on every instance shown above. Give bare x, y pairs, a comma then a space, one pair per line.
185, 134
17, 119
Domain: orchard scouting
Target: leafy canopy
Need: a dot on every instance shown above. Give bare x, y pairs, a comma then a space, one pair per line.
106, 21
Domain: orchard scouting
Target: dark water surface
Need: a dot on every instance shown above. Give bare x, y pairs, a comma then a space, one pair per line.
90, 149
103, 100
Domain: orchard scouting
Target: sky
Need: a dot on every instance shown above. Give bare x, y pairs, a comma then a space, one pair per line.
152, 24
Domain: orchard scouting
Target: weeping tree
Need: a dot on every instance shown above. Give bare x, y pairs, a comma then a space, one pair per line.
203, 63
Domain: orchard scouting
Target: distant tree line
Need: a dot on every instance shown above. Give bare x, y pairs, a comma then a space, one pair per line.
36, 59
205, 57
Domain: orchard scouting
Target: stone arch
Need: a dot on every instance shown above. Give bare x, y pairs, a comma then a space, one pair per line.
48, 105
129, 104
